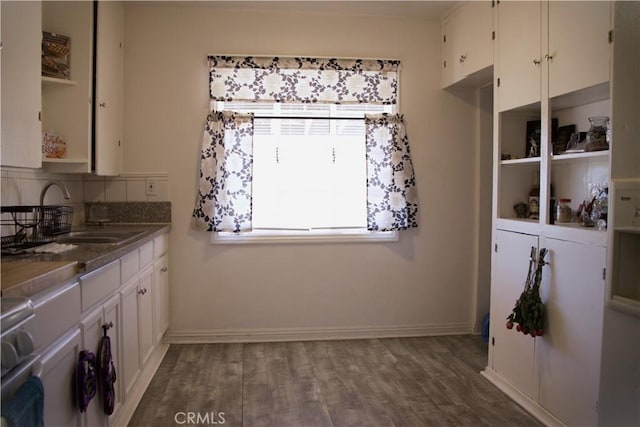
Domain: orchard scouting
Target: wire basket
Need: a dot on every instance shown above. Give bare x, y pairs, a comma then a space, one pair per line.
28, 226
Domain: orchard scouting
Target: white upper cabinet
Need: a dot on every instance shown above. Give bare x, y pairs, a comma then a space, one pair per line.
467, 45
109, 88
20, 110
579, 50
66, 103
519, 54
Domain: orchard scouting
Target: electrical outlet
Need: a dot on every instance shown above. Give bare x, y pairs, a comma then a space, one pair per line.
151, 188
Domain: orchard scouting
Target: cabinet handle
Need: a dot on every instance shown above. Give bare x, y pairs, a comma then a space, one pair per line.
107, 326
142, 291
548, 57
536, 62
463, 58
163, 269
103, 105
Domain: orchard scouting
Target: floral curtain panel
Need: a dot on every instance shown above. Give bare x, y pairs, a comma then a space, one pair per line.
391, 184
224, 192
286, 79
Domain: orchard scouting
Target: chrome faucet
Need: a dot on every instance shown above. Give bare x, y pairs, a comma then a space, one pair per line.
65, 191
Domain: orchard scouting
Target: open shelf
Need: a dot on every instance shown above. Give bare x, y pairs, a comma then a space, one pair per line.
54, 81
577, 156
64, 160
524, 160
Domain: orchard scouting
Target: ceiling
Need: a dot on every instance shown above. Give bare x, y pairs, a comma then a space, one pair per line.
418, 9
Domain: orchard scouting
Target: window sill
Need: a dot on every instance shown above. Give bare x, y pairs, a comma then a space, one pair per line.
311, 236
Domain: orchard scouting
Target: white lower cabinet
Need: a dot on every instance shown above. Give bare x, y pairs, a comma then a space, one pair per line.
58, 371
569, 352
107, 315
557, 375
511, 354
129, 297
130, 335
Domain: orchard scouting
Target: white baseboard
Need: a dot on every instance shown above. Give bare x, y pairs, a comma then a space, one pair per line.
529, 405
134, 396
190, 336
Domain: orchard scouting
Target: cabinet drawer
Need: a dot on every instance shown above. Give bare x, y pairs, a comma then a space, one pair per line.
56, 313
99, 284
129, 265
146, 255
160, 245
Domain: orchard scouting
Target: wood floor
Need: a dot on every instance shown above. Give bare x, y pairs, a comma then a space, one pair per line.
431, 381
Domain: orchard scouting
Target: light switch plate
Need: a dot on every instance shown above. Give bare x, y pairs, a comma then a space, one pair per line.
151, 187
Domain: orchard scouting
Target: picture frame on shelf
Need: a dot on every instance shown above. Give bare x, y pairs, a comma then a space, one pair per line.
533, 136
559, 143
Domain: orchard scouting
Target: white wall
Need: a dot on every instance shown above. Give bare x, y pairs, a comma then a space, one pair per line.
424, 282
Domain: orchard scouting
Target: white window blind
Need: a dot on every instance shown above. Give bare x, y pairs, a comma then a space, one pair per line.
308, 173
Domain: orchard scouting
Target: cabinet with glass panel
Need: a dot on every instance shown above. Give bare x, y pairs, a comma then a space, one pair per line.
548, 90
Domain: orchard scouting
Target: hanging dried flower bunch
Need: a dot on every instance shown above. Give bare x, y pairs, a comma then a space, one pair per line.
528, 313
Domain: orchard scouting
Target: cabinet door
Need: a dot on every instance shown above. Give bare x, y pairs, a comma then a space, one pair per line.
112, 314
109, 88
58, 373
130, 364
161, 294
569, 352
145, 314
468, 47
21, 139
579, 46
511, 353
91, 327
452, 46
519, 54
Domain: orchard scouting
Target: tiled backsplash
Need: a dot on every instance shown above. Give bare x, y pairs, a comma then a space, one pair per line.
23, 187
125, 188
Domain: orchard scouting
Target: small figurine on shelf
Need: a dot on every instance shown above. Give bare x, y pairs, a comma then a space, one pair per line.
521, 209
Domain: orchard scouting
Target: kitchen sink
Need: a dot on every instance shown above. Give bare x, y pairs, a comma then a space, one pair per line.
102, 237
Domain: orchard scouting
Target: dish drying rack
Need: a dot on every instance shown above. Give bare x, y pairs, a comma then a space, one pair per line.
25, 227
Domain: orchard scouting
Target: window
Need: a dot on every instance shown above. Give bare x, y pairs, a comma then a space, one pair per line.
309, 172
304, 146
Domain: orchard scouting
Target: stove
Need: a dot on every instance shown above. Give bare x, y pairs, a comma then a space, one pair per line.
17, 323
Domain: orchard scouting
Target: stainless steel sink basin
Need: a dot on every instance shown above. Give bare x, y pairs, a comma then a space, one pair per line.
103, 237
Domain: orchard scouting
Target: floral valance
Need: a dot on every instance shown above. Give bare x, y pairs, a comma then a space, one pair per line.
305, 80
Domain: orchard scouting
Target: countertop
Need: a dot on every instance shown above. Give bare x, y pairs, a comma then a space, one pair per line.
28, 274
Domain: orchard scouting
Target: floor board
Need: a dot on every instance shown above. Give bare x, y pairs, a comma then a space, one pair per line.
430, 381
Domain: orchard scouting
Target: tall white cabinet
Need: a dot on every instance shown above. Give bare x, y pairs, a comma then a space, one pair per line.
552, 71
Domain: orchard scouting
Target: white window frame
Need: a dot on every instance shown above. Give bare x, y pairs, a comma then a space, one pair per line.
312, 236
334, 235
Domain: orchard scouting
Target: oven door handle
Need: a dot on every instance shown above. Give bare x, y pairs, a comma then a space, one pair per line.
37, 368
